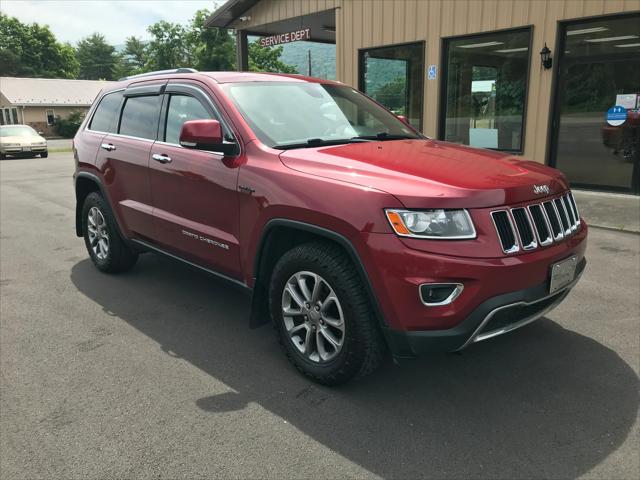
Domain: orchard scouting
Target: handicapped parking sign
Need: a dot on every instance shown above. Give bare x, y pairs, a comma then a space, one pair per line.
616, 116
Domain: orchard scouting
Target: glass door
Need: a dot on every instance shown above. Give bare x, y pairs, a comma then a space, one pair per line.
599, 68
393, 76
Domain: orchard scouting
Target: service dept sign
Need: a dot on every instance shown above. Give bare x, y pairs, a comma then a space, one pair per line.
295, 36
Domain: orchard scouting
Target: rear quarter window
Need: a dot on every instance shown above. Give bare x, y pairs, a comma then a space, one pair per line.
104, 120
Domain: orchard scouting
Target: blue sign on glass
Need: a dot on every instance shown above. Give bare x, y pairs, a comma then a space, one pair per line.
616, 116
432, 72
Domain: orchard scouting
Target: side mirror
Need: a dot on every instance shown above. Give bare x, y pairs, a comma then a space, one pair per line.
40, 132
202, 134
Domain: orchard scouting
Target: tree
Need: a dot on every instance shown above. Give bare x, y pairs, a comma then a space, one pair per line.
67, 127
98, 59
135, 54
213, 49
31, 50
267, 59
169, 47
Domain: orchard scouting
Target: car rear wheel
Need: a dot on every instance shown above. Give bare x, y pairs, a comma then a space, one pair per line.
107, 249
44, 155
322, 315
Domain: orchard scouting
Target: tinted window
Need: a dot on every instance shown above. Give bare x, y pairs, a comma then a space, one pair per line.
599, 69
485, 89
393, 76
181, 109
105, 116
140, 117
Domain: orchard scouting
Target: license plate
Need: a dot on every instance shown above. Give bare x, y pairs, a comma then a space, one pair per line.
562, 274
26, 149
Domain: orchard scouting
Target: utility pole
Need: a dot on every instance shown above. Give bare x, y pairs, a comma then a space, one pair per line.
309, 63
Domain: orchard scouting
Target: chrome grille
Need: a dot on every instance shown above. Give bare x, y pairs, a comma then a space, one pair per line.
536, 225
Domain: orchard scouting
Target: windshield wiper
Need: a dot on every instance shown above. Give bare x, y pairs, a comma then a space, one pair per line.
319, 142
386, 136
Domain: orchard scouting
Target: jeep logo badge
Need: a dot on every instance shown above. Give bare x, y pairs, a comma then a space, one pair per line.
538, 189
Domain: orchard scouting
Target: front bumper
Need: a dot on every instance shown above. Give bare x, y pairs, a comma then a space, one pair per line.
495, 316
23, 150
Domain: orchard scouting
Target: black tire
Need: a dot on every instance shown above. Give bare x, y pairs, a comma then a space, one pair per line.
363, 349
119, 257
44, 155
2, 156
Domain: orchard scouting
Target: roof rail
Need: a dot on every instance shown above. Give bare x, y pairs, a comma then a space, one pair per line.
159, 72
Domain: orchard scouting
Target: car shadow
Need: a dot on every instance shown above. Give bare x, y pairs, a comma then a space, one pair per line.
541, 402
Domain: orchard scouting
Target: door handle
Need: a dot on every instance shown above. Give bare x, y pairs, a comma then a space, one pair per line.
108, 147
161, 158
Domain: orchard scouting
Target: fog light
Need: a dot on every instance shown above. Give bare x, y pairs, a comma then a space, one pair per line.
436, 294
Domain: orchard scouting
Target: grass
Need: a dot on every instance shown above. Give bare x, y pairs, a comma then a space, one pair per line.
60, 150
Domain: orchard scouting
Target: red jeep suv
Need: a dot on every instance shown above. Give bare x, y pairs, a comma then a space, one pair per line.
353, 232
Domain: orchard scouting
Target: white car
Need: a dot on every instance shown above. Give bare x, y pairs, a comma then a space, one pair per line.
23, 141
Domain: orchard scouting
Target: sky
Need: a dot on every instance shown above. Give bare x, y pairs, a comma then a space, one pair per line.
71, 20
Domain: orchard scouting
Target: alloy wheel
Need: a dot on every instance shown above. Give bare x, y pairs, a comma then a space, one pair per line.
313, 316
98, 236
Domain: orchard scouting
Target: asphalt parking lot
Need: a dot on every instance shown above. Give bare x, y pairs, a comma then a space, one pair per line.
154, 374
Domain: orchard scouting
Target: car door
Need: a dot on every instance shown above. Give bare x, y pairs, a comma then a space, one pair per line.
194, 191
123, 158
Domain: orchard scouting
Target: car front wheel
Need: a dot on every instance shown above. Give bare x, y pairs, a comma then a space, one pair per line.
322, 315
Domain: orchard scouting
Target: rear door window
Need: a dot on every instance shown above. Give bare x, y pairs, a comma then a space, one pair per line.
140, 117
104, 120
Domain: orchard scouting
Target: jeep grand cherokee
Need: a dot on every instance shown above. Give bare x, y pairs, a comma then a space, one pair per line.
353, 232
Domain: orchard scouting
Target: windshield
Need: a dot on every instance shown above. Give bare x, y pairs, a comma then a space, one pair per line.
297, 114
17, 131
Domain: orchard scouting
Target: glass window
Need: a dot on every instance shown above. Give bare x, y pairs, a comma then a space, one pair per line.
104, 120
140, 117
182, 108
485, 89
291, 113
599, 68
393, 76
7, 116
51, 119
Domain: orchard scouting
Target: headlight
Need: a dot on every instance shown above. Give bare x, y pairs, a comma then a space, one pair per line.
39, 144
438, 224
10, 144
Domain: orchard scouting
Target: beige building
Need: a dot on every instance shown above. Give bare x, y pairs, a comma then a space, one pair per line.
533, 78
39, 101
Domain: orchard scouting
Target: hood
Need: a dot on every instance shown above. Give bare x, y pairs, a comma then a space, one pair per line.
23, 140
429, 173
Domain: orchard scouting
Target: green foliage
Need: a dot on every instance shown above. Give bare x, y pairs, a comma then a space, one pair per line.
67, 127
213, 48
169, 46
31, 50
323, 58
134, 57
267, 59
393, 95
98, 59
